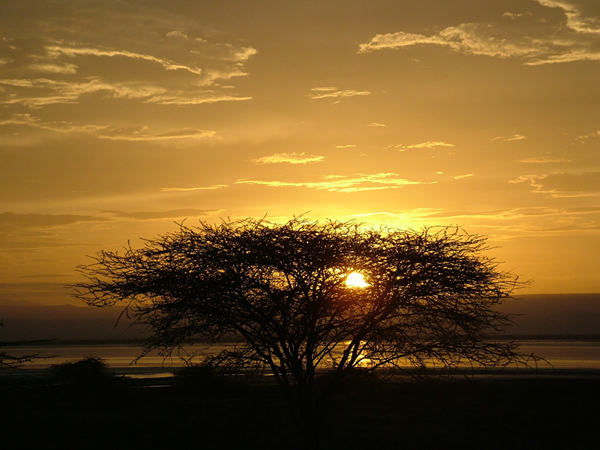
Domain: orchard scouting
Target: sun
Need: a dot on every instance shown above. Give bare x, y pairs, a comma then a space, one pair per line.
356, 280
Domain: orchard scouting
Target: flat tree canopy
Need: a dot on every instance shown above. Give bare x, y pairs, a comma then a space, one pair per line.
422, 298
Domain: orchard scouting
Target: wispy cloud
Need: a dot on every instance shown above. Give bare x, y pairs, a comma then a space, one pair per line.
577, 20
543, 160
346, 146
39, 92
181, 99
117, 50
561, 184
460, 177
505, 223
333, 92
577, 39
516, 15
144, 134
36, 93
290, 158
335, 183
11, 221
585, 137
375, 124
154, 215
55, 51
54, 68
213, 187
514, 137
114, 133
422, 145
469, 38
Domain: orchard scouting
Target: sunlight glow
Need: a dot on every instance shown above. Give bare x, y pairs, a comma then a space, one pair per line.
356, 280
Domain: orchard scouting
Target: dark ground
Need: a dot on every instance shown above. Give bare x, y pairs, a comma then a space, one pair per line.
513, 413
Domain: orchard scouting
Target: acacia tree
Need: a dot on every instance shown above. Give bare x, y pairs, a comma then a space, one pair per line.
282, 290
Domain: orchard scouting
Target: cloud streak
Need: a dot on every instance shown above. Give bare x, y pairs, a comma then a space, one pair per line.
55, 51
12, 221
506, 223
117, 50
113, 133
577, 20
577, 39
154, 215
333, 92
422, 145
290, 158
562, 184
213, 187
514, 137
543, 160
335, 183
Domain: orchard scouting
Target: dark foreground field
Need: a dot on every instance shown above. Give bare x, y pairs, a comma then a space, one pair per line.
512, 413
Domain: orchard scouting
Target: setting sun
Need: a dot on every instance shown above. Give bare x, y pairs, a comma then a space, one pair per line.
356, 280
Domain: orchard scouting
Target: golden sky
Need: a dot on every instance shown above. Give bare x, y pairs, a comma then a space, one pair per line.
118, 118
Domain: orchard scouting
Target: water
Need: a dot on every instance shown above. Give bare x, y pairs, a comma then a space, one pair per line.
565, 354
571, 354
121, 358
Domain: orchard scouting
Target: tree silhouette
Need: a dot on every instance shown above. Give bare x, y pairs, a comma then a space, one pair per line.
281, 290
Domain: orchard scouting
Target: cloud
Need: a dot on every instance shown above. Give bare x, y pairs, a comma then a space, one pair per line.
561, 184
34, 231
468, 38
55, 51
291, 158
13, 221
10, 221
337, 183
54, 68
332, 92
575, 39
460, 177
517, 15
585, 137
143, 134
514, 137
530, 215
375, 124
214, 187
118, 50
543, 160
172, 214
324, 89
428, 145
345, 146
36, 93
113, 133
181, 99
577, 20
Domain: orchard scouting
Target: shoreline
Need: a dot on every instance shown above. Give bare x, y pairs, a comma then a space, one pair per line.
164, 375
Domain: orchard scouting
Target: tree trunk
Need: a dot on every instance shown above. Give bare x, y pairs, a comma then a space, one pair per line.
307, 418
310, 410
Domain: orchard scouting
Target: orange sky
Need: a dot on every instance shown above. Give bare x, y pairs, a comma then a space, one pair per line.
118, 118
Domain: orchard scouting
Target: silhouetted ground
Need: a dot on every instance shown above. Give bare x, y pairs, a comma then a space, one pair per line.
122, 414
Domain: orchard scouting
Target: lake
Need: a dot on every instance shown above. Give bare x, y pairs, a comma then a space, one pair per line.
563, 354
